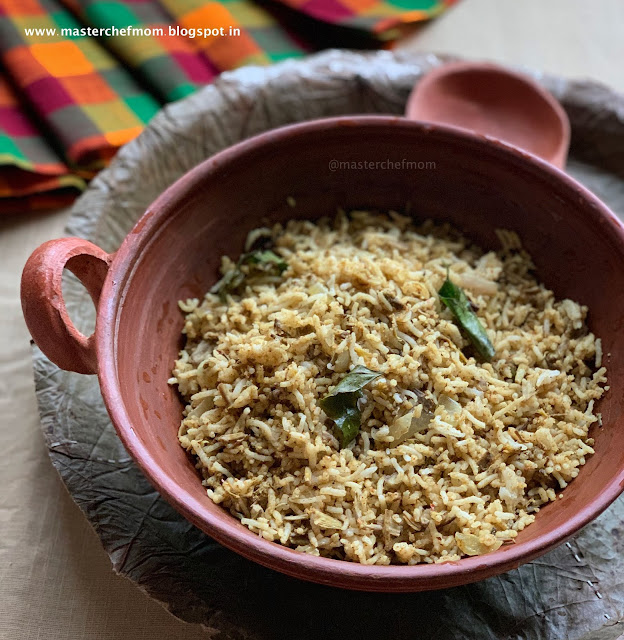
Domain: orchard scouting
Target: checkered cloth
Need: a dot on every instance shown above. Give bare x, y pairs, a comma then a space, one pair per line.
69, 100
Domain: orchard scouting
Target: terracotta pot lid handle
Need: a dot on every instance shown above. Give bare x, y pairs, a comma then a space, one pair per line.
44, 307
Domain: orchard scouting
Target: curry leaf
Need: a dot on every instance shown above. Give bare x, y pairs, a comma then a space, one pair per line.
263, 259
341, 405
343, 410
230, 281
355, 380
455, 299
266, 257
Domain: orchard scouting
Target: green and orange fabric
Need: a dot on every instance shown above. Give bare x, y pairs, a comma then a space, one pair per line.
69, 99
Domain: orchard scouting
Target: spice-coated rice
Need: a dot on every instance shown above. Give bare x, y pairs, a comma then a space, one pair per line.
500, 438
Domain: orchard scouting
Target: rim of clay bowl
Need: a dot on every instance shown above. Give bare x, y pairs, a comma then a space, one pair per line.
227, 531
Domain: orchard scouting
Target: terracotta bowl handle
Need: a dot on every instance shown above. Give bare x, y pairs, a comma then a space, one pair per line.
44, 307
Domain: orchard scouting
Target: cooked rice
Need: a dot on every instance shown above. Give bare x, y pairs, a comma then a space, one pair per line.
362, 289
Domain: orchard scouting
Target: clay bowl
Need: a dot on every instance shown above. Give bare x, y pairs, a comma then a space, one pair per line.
173, 253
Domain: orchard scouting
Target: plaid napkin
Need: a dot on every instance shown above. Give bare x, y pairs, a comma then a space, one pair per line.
69, 99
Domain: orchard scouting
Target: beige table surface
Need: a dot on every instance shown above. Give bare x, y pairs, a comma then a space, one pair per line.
55, 580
